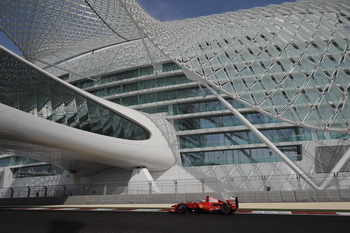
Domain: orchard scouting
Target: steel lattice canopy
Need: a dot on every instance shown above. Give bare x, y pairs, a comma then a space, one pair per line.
289, 61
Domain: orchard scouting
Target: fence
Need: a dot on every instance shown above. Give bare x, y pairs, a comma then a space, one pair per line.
250, 184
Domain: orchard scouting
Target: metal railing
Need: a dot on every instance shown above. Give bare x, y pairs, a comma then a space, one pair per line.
179, 186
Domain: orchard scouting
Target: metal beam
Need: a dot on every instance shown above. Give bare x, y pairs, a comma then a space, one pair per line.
262, 137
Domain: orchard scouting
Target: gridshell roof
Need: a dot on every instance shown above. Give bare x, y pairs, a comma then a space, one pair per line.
54, 30
289, 61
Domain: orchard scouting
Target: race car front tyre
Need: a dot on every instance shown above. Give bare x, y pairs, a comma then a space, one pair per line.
225, 209
181, 208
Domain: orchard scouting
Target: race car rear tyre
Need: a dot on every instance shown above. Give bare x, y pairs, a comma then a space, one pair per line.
181, 208
225, 209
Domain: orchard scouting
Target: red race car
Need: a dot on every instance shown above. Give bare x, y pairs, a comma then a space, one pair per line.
210, 205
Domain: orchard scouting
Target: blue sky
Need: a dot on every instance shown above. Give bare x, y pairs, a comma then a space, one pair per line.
166, 10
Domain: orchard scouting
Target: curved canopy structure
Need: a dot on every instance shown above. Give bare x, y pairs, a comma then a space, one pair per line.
288, 61
52, 31
71, 128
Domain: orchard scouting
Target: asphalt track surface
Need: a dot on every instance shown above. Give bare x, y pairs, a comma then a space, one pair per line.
153, 222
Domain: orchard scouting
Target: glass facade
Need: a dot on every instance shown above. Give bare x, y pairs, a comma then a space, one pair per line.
15, 160
204, 106
29, 171
36, 171
159, 96
4, 162
170, 66
29, 90
221, 121
194, 131
137, 86
192, 107
239, 156
244, 137
127, 75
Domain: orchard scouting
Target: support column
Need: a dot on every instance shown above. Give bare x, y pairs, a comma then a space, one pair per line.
45, 192
175, 184
28, 193
142, 182
12, 191
104, 189
232, 182
298, 181
203, 185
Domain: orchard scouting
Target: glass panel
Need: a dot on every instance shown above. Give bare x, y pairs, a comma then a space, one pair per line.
239, 156
221, 121
125, 75
241, 137
131, 100
130, 87
5, 162
41, 93
58, 103
25, 91
35, 171
21, 161
170, 67
113, 90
